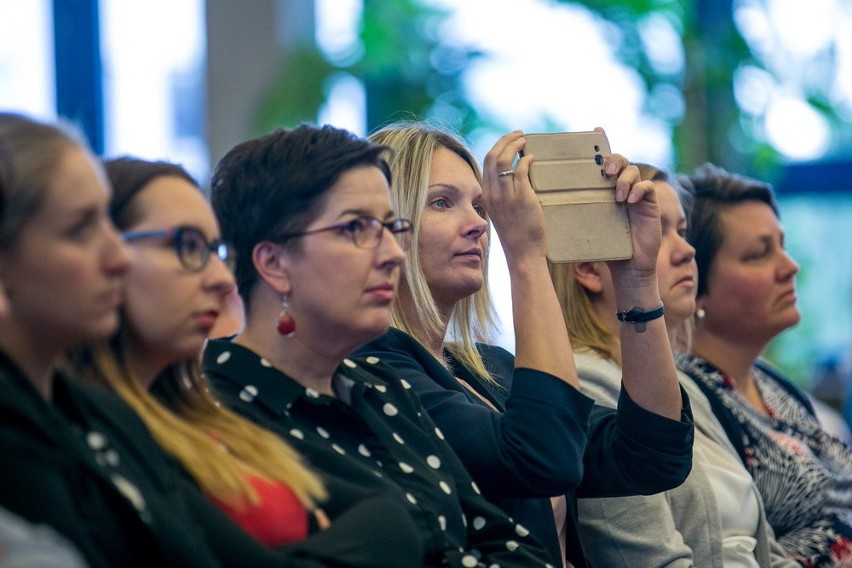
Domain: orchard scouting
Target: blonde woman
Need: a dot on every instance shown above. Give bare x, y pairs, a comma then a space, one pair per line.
715, 518
520, 424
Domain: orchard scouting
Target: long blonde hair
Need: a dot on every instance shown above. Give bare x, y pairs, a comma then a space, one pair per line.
413, 144
216, 447
586, 327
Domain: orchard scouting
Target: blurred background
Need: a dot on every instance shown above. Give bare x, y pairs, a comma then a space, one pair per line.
761, 87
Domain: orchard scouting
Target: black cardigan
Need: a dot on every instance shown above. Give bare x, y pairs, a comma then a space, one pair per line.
547, 438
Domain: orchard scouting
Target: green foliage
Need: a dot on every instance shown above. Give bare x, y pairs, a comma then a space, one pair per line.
297, 92
407, 68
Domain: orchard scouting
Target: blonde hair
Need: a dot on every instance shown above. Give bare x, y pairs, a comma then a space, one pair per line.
586, 327
413, 145
215, 446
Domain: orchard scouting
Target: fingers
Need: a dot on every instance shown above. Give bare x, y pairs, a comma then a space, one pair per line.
500, 159
642, 191
628, 186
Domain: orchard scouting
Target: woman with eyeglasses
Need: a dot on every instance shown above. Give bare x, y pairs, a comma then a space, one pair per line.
73, 457
319, 250
173, 294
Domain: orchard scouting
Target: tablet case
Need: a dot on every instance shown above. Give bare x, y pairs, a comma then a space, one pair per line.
583, 220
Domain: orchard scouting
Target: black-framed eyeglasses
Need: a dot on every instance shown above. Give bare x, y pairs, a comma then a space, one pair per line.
365, 231
191, 246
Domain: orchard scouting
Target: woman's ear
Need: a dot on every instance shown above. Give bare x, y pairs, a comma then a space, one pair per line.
588, 275
271, 261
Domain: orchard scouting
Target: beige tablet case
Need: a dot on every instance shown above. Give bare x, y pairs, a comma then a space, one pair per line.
584, 223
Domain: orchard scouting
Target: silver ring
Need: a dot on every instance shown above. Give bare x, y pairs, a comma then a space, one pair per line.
506, 173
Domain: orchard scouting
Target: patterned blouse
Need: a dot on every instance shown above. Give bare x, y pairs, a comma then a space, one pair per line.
804, 475
376, 435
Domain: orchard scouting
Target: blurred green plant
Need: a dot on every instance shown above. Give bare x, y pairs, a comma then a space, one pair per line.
408, 69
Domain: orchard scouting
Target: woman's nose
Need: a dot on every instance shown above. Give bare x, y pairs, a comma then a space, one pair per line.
684, 252
389, 252
476, 225
789, 267
219, 276
116, 253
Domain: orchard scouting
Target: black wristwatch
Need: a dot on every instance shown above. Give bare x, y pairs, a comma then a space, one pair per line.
639, 317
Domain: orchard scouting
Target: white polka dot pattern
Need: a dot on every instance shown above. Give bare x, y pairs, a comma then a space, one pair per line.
390, 409
248, 393
311, 393
96, 440
223, 357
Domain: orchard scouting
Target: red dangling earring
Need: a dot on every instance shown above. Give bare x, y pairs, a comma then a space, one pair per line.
286, 324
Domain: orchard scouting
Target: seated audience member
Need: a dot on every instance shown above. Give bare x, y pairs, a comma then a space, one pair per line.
319, 253
173, 293
22, 544
716, 518
73, 458
747, 296
520, 424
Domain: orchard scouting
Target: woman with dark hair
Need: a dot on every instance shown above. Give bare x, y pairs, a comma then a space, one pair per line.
319, 250
173, 294
746, 296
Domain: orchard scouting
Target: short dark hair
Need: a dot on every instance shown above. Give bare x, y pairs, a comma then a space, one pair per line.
716, 189
128, 176
276, 184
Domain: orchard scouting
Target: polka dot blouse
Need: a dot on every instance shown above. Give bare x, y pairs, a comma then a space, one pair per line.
375, 434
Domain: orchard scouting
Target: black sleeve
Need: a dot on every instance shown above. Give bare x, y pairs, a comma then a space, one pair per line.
533, 449
632, 451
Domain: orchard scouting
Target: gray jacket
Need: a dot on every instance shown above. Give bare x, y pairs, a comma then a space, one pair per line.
679, 528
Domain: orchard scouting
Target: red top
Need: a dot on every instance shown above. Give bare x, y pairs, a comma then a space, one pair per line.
279, 518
